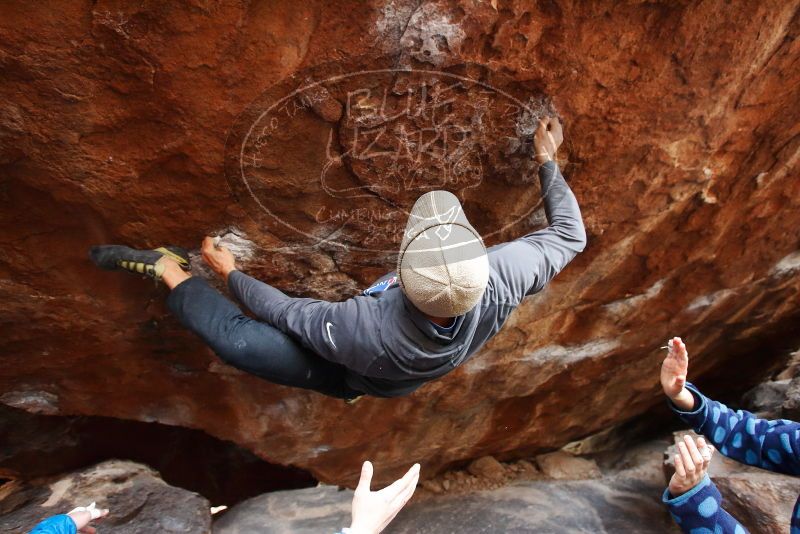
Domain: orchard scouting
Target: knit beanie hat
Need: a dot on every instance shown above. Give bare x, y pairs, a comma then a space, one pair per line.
443, 267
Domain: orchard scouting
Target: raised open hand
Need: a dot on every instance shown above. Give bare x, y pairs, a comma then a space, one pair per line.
674, 368
691, 464
673, 375
374, 510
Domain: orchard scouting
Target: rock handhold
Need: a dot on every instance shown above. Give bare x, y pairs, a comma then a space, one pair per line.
321, 102
560, 465
487, 467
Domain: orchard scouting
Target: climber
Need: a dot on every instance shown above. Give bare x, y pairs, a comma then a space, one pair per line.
740, 435
76, 521
447, 298
692, 498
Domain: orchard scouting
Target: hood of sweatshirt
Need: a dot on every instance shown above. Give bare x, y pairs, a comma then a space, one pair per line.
414, 343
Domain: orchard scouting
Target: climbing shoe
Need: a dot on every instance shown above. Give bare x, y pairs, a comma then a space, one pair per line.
145, 262
353, 400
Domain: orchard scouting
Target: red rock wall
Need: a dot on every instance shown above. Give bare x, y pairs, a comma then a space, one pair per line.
683, 148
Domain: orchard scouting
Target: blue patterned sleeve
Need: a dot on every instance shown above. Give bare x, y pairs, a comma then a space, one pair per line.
699, 511
740, 435
58, 524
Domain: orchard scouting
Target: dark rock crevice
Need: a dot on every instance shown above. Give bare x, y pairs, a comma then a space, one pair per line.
35, 446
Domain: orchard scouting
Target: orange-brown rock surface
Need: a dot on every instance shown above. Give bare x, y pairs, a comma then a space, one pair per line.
153, 122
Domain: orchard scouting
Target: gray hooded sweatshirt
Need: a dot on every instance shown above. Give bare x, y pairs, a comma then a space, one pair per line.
390, 347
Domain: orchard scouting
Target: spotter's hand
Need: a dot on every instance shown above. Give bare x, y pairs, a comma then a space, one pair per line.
220, 259
691, 464
674, 368
673, 375
84, 515
374, 510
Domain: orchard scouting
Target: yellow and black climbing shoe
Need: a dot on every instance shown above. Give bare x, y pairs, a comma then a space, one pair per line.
353, 400
145, 262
